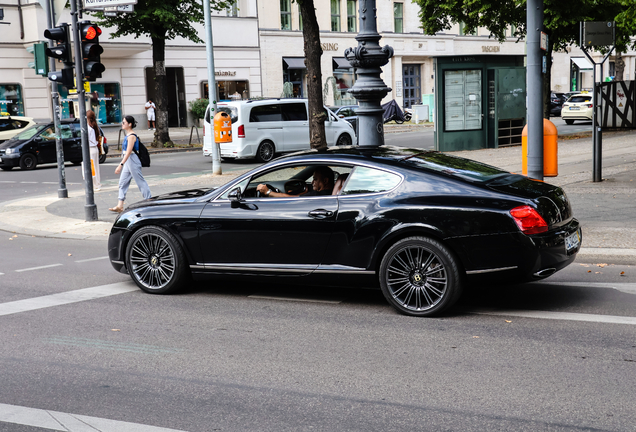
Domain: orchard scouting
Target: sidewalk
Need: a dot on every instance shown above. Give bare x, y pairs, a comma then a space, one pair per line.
605, 210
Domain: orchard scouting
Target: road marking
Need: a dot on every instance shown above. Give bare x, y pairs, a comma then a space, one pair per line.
109, 345
50, 183
38, 268
91, 259
567, 316
629, 288
65, 422
295, 299
66, 298
29, 182
8, 181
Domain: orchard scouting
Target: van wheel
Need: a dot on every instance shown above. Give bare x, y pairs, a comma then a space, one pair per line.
344, 140
265, 152
28, 161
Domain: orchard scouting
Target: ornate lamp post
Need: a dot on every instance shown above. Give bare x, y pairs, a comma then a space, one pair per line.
369, 89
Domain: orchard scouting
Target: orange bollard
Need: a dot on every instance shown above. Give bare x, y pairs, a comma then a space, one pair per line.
550, 149
222, 128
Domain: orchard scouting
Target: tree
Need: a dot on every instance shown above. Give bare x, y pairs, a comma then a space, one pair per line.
161, 20
561, 21
313, 52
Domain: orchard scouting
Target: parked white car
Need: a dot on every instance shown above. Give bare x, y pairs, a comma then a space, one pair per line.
262, 128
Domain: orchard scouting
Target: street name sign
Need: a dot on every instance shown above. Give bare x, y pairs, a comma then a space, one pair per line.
125, 8
597, 33
101, 4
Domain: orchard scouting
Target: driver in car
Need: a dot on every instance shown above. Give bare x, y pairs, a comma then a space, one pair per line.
322, 184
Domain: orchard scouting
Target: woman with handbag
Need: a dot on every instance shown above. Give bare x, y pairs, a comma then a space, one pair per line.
94, 139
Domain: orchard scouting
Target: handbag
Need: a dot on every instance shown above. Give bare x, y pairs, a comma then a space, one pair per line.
100, 142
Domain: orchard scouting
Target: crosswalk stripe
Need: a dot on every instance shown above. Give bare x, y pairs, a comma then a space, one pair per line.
566, 316
38, 268
65, 422
66, 298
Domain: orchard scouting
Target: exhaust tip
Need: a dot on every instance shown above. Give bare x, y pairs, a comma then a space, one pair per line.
545, 273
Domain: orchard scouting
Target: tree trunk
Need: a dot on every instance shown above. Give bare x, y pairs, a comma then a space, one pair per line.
162, 135
620, 67
313, 51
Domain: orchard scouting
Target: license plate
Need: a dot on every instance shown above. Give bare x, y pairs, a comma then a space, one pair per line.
575, 108
572, 241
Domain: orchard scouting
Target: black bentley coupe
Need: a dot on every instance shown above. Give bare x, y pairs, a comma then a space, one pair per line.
416, 223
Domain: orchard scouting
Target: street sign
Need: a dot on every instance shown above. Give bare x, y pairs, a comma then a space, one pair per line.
101, 4
597, 33
544, 41
124, 8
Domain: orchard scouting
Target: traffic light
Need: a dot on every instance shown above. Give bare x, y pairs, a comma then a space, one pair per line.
61, 50
40, 62
91, 50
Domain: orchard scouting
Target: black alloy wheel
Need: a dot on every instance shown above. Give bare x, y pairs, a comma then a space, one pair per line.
420, 277
28, 161
344, 140
265, 152
155, 261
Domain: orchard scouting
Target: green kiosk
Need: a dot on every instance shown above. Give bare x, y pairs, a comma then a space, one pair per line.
480, 101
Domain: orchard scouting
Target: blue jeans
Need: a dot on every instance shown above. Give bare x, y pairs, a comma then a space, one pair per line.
130, 170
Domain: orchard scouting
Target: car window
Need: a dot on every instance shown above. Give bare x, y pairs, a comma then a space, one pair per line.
580, 99
6, 125
242, 185
370, 180
266, 113
66, 132
29, 132
48, 133
345, 112
229, 110
294, 112
76, 129
284, 174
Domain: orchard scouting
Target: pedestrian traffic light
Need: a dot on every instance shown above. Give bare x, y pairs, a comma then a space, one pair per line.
40, 61
61, 50
91, 50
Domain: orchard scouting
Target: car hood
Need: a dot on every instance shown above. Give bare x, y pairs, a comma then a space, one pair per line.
10, 143
184, 196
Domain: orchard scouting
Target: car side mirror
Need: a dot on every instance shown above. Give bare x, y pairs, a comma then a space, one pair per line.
235, 197
38, 139
341, 116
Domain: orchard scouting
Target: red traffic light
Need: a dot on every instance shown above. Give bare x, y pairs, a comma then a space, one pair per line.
90, 32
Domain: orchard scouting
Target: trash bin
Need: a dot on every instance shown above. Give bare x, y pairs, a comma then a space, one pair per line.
222, 127
550, 149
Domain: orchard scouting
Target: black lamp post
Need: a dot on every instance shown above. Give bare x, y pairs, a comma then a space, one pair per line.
368, 58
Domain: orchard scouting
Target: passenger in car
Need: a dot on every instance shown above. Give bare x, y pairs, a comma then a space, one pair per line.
322, 184
342, 178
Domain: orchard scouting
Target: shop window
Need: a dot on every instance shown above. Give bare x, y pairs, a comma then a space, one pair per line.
463, 32
345, 78
462, 100
398, 17
335, 15
352, 20
285, 14
104, 99
11, 100
232, 10
227, 90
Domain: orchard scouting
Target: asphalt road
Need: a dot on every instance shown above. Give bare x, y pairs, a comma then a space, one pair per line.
263, 356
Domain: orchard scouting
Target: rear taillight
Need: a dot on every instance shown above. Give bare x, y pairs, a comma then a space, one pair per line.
203, 129
528, 220
589, 105
241, 131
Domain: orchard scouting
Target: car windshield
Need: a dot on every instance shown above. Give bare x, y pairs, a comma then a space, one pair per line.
29, 132
455, 166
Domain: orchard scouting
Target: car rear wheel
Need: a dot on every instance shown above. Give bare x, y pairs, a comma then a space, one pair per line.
344, 140
155, 261
420, 277
265, 152
28, 161
570, 122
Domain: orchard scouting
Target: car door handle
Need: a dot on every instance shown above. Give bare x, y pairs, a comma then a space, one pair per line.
320, 214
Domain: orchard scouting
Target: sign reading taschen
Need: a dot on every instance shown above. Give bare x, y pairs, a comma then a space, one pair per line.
101, 4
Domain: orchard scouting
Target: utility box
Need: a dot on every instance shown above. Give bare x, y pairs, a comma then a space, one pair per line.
420, 113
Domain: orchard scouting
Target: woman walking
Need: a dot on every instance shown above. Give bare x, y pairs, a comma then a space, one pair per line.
93, 140
130, 166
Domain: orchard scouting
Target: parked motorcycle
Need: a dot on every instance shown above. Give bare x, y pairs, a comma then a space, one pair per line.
408, 114
393, 112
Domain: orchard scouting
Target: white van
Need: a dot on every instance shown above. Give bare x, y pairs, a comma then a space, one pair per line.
261, 128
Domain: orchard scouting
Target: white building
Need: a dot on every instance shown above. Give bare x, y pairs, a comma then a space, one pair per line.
127, 83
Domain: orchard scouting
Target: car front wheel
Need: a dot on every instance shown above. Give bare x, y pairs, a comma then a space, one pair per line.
155, 261
28, 161
344, 140
420, 277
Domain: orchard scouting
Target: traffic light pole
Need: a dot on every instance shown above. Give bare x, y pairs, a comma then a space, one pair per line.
62, 192
90, 209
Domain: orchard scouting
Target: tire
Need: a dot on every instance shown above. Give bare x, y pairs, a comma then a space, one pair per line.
102, 158
420, 277
569, 122
265, 152
28, 162
7, 168
155, 261
344, 140
398, 121
407, 116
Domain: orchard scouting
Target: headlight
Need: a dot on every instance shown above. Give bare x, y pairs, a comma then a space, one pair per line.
11, 150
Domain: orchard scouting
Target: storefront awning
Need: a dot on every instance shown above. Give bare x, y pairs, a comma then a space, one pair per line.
582, 63
294, 63
341, 63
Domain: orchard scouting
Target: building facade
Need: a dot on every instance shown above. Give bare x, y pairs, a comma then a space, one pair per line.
127, 82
